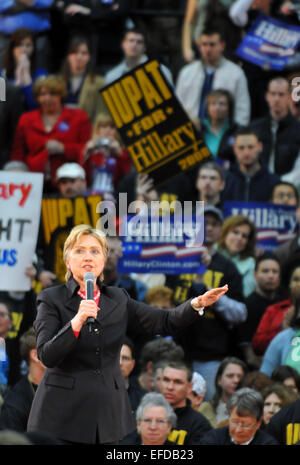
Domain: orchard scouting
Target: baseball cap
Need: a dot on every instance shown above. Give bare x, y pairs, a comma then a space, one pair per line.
70, 170
215, 211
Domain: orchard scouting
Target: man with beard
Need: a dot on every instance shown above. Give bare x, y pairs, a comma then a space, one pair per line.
71, 180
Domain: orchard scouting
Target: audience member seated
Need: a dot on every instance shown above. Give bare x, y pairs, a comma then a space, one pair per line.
19, 65
127, 363
106, 160
218, 127
152, 352
284, 426
198, 391
228, 379
267, 292
83, 84
283, 348
237, 243
285, 193
198, 14
279, 131
211, 339
245, 417
71, 180
210, 184
160, 297
15, 14
5, 326
134, 49
22, 307
288, 376
17, 402
176, 386
256, 380
276, 396
155, 418
51, 135
112, 277
277, 316
213, 71
248, 180
10, 112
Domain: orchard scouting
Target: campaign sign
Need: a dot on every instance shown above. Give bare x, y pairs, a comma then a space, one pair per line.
20, 206
160, 138
275, 224
59, 216
153, 245
269, 43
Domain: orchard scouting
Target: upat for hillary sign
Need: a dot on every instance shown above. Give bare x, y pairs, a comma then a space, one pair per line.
269, 43
20, 206
275, 224
159, 137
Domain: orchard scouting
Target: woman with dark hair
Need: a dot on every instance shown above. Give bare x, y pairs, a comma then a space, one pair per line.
288, 376
19, 64
230, 373
83, 85
237, 243
284, 348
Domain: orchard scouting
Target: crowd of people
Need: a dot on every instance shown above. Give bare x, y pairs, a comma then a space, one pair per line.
233, 376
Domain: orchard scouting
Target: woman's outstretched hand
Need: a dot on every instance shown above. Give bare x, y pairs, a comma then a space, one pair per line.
209, 298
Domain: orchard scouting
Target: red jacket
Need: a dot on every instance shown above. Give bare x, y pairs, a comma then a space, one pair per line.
269, 326
73, 129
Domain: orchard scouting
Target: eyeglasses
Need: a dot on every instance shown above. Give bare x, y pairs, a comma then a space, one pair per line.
157, 421
235, 424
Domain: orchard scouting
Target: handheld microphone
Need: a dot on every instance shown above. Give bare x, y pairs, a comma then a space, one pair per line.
89, 279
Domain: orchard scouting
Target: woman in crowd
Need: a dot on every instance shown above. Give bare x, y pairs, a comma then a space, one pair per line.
82, 397
237, 242
83, 85
284, 347
19, 65
276, 396
288, 376
229, 376
53, 134
218, 128
277, 316
106, 159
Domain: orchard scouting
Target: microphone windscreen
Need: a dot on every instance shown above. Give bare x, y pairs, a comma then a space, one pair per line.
89, 276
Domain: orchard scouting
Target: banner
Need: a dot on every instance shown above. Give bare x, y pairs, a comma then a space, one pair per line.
160, 138
269, 43
153, 245
59, 216
275, 224
20, 206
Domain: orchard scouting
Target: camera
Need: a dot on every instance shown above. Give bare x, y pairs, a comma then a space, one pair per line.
101, 142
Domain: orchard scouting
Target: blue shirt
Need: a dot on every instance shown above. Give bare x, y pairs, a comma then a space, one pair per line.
37, 21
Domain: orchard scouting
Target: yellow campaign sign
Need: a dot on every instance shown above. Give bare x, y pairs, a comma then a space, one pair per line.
59, 216
160, 138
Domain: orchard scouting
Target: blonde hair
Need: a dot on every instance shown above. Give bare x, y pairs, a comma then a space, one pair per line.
75, 234
51, 82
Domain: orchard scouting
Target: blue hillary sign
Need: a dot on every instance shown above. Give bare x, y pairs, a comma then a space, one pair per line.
275, 224
157, 246
269, 43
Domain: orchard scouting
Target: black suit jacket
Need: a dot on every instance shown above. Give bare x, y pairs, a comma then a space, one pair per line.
82, 394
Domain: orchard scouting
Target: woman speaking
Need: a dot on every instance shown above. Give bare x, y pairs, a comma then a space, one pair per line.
82, 397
